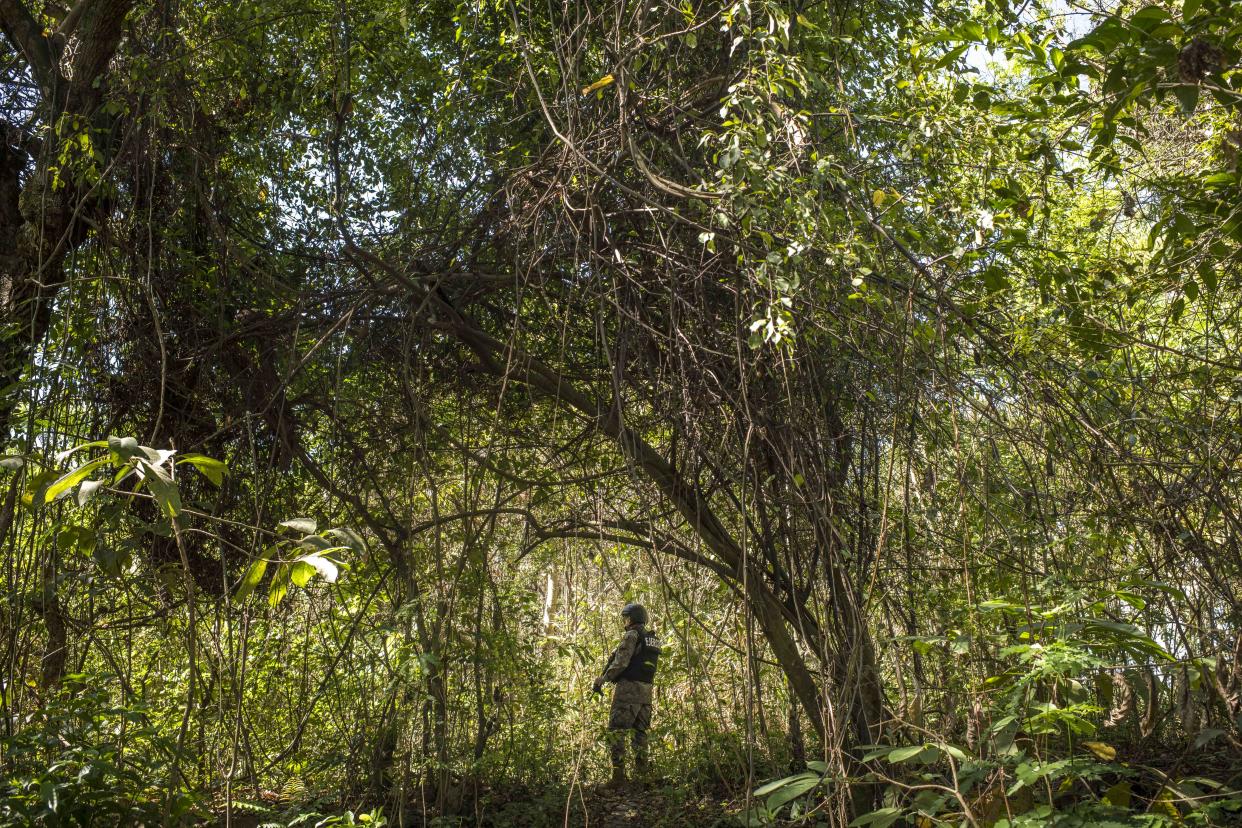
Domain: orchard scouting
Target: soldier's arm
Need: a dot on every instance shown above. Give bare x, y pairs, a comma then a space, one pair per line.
621, 658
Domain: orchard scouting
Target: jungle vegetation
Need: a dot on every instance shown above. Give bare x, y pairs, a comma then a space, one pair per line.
359, 359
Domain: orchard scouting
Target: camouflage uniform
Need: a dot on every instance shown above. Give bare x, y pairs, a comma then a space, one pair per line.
631, 703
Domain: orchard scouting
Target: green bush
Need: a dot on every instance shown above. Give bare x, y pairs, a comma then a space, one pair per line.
83, 760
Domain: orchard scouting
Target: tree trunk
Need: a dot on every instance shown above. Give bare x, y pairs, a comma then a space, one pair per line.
40, 220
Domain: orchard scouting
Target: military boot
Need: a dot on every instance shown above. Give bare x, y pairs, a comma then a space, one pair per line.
618, 777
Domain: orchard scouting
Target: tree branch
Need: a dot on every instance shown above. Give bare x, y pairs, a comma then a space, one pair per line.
24, 33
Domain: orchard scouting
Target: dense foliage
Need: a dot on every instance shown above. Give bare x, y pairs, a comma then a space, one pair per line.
360, 360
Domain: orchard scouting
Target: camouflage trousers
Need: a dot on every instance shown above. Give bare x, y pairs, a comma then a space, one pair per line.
631, 711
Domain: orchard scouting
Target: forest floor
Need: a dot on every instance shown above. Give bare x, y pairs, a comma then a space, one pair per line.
606, 807
586, 806
602, 806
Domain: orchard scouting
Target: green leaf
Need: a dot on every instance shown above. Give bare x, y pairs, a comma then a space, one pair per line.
162, 487
1001, 724
327, 568
214, 470
62, 486
949, 57
35, 487
882, 818
350, 538
304, 525
1103, 39
792, 791
110, 561
1207, 735
775, 785
301, 573
64, 455
903, 754
254, 574
315, 543
1003, 606
47, 793
123, 447
1187, 96
956, 752
1148, 18
279, 586
971, 30
1118, 795
88, 489
81, 538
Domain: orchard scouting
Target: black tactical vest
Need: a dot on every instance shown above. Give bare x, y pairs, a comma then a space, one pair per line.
642, 666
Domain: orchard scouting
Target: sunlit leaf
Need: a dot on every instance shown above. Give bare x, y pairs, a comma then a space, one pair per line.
301, 572
61, 487
326, 567
214, 470
303, 525
254, 574
606, 80
350, 538
87, 490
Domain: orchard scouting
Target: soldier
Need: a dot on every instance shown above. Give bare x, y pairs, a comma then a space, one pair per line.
632, 668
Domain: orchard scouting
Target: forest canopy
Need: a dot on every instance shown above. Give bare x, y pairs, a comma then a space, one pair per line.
360, 360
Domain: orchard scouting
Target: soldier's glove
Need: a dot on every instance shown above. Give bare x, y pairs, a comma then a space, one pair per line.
598, 686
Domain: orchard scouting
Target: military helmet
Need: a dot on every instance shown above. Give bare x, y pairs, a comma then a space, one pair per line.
635, 612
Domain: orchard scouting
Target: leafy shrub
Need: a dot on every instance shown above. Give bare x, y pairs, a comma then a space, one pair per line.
1038, 760
83, 760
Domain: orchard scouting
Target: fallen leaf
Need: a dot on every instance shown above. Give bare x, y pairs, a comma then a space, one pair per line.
1102, 751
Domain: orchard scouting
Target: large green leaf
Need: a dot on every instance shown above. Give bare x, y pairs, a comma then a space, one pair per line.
325, 567
254, 574
881, 818
350, 538
903, 754
798, 787
214, 470
62, 486
162, 487
301, 572
776, 784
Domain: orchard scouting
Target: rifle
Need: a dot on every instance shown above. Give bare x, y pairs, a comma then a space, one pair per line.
599, 691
